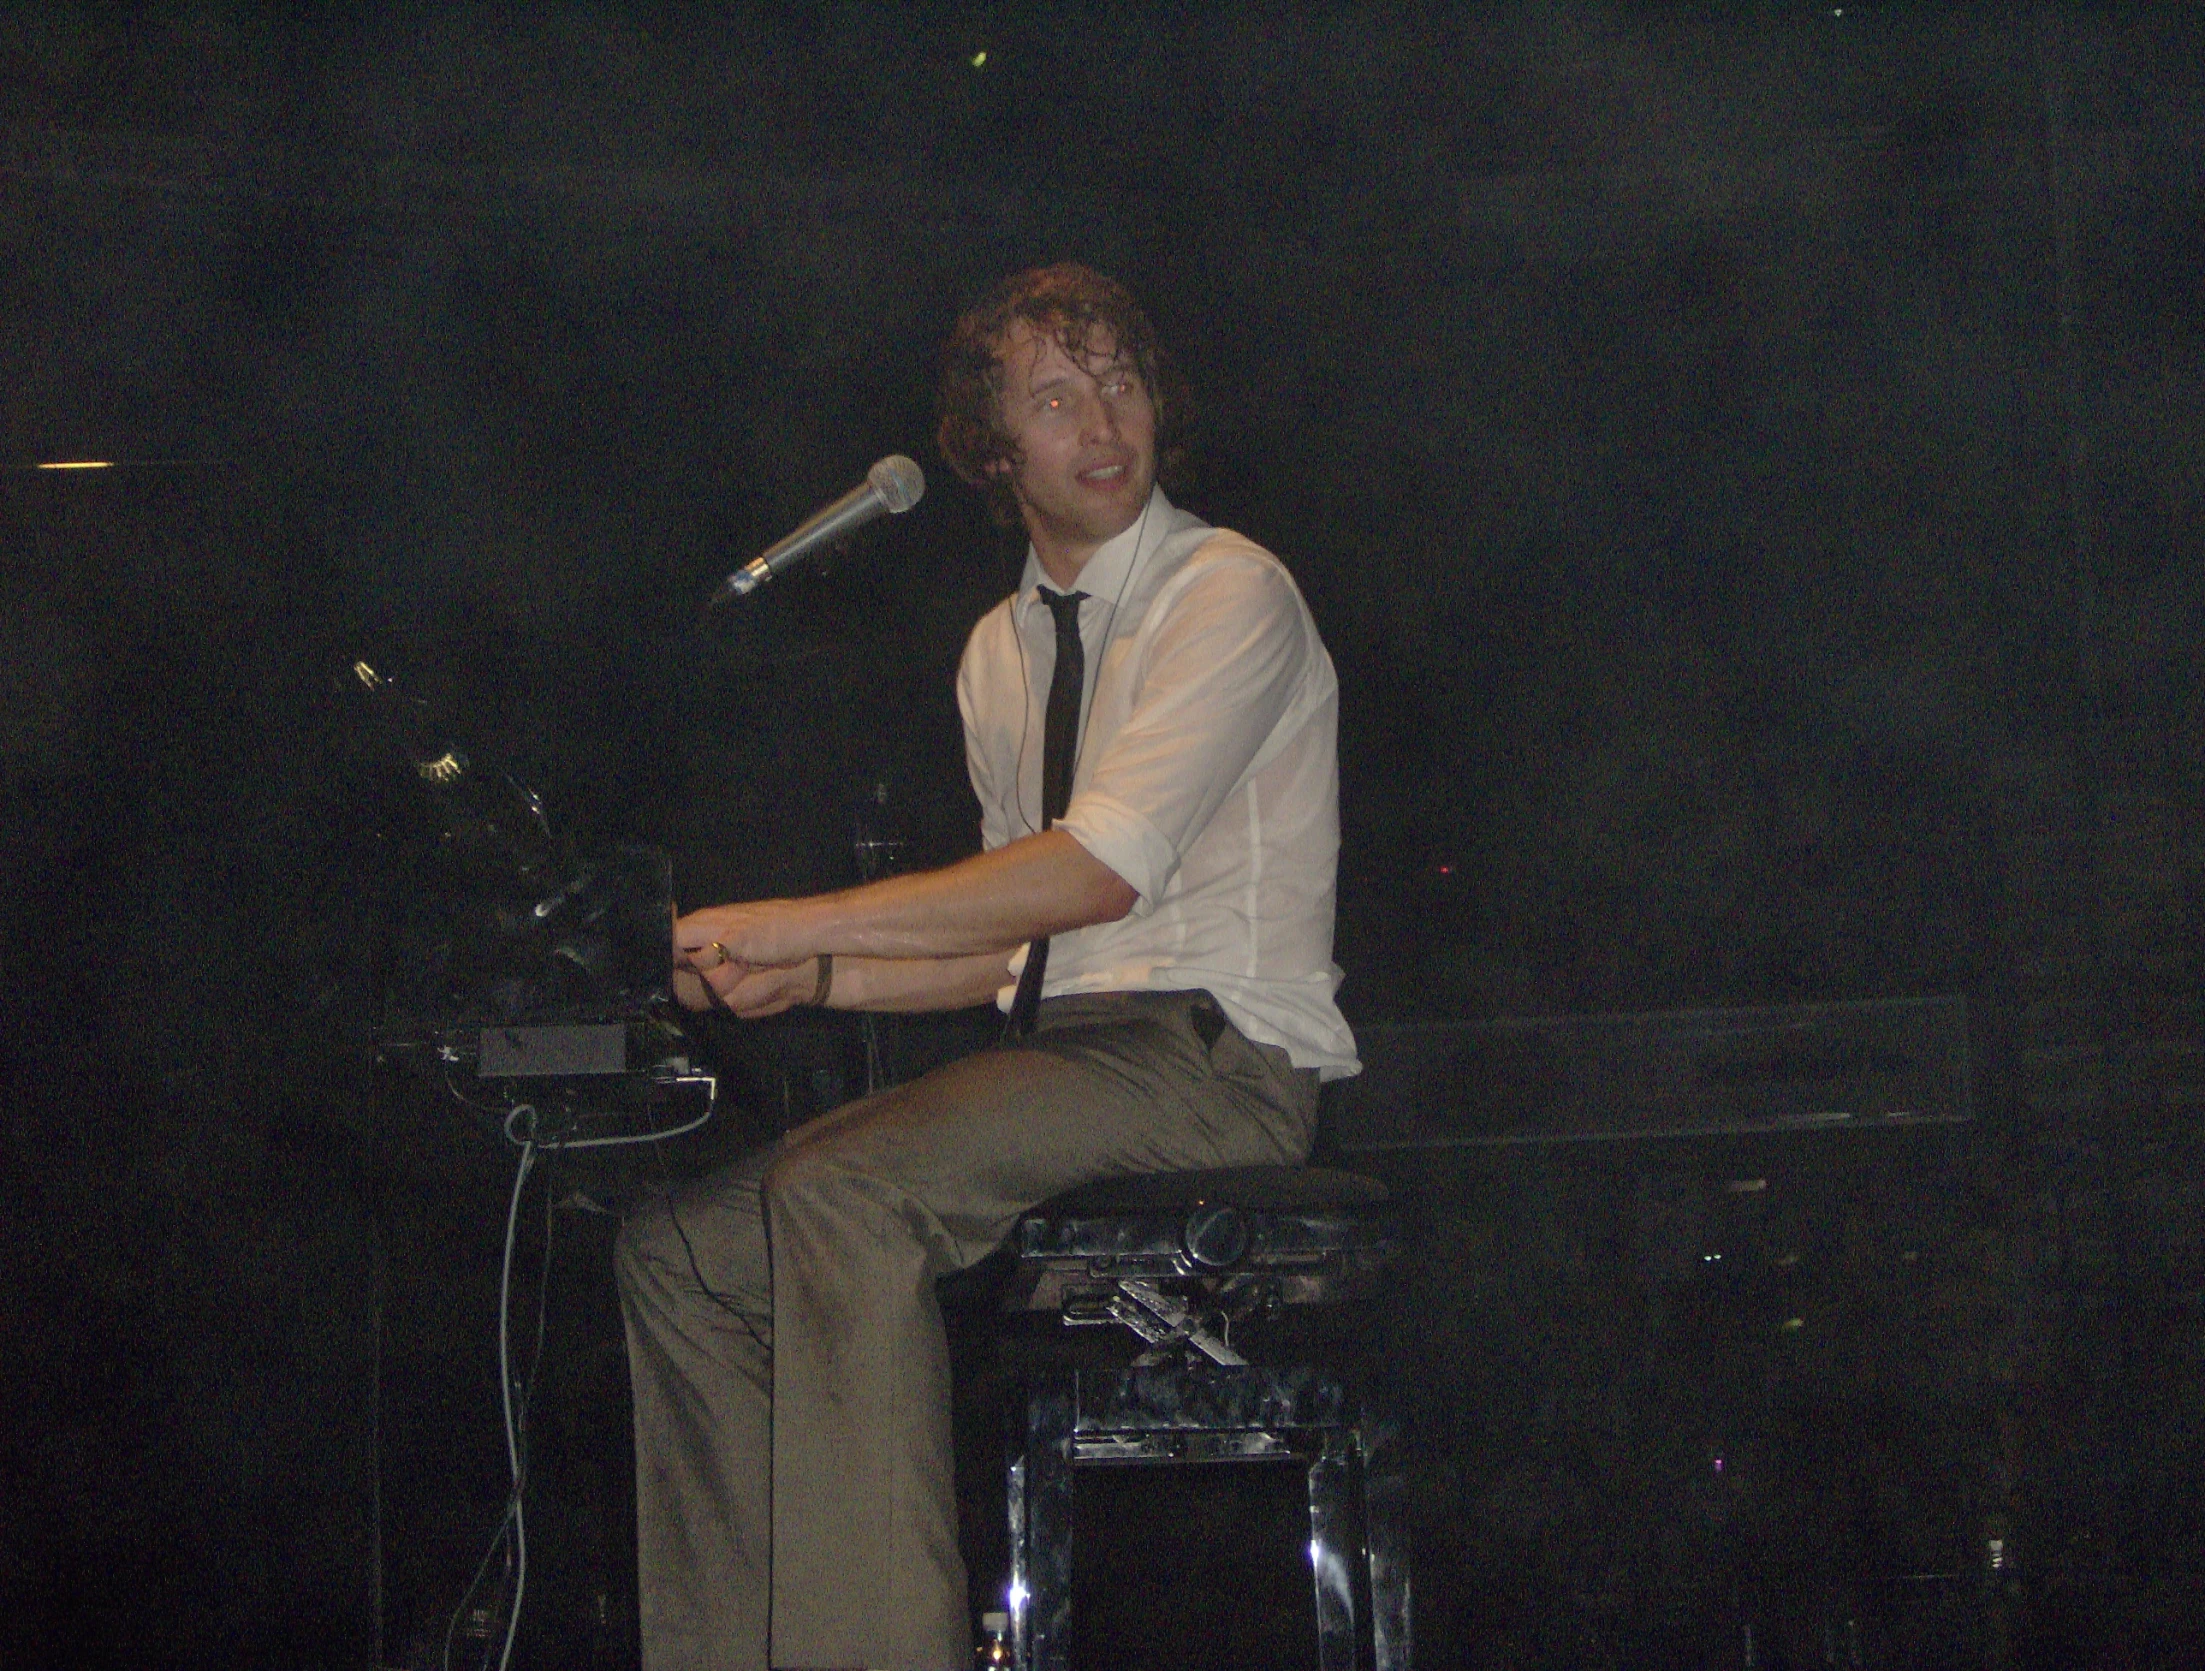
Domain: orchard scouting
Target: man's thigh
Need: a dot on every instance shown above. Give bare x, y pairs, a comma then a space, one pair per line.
1112, 1085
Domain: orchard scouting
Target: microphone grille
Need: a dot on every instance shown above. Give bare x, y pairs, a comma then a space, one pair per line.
898, 481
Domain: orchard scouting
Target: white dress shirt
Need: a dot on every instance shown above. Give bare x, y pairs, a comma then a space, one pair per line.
1207, 775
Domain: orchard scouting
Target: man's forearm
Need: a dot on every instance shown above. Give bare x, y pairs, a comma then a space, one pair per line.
991, 902
918, 983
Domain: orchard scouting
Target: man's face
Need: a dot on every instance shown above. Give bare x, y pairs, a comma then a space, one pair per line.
1085, 434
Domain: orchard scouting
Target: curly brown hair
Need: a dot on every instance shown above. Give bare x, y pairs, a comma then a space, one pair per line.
1070, 303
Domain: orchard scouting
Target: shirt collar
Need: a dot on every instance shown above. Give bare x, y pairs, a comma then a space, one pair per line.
1109, 572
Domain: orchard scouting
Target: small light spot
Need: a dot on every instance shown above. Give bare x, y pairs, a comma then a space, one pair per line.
1747, 1186
448, 767
979, 60
1718, 1464
1792, 1325
80, 464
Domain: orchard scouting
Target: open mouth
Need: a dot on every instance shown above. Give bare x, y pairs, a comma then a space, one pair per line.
1104, 475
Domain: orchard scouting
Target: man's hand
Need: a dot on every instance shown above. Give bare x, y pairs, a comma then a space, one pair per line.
743, 990
760, 933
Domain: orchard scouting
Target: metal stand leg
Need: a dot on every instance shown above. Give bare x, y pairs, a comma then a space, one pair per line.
1335, 1550
1386, 1533
1041, 1531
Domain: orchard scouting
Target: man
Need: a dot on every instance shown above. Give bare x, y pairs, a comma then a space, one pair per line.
1150, 727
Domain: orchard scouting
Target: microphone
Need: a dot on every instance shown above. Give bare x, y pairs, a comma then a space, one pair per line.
891, 486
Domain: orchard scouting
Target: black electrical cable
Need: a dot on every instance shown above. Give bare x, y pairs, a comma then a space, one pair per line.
688, 1247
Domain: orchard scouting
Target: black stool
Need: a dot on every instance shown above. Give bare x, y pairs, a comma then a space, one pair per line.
1180, 1259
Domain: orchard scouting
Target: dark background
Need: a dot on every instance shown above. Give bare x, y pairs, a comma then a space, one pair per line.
1749, 467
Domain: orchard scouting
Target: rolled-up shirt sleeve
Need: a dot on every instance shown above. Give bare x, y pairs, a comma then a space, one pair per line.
1220, 673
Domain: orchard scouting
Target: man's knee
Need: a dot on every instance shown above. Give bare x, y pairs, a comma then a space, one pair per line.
857, 1142
675, 1251
805, 1173
848, 1176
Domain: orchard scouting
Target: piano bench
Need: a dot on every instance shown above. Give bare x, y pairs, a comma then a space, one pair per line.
1182, 1260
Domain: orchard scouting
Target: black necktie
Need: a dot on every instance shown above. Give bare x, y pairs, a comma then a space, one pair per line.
1060, 735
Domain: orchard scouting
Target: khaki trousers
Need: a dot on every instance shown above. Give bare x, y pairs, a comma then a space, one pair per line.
795, 1506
